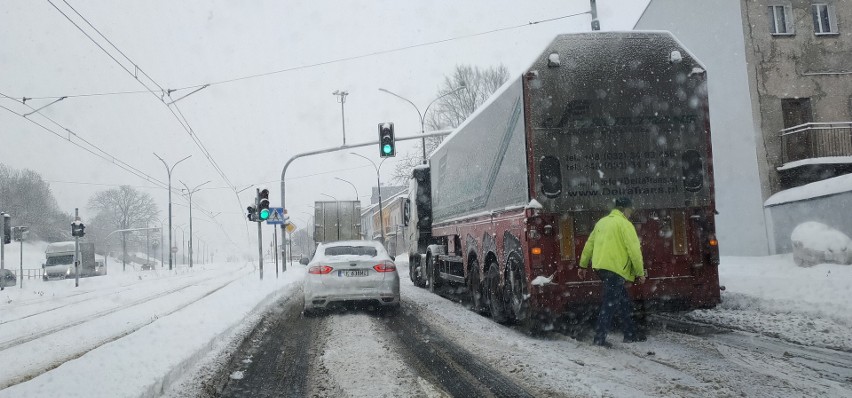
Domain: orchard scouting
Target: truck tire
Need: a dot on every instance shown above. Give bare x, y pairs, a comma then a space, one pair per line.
416, 271
432, 274
517, 292
474, 286
494, 295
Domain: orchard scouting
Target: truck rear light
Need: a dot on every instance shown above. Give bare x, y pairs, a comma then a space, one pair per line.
566, 233
320, 269
536, 251
385, 266
679, 244
713, 242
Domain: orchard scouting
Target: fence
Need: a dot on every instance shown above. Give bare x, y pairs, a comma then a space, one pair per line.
816, 140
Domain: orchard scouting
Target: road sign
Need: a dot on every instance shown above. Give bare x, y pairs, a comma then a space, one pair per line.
276, 216
290, 227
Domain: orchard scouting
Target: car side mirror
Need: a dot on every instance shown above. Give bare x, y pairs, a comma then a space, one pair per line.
304, 261
393, 258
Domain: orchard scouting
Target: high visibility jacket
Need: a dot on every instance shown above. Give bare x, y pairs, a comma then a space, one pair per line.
614, 246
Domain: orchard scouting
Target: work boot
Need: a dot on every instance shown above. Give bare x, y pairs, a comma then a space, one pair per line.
635, 338
602, 343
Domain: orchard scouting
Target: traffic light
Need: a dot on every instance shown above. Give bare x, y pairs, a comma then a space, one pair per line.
78, 229
7, 228
252, 213
263, 205
387, 142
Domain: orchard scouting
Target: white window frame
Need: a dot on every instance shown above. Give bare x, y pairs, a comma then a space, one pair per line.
817, 12
786, 10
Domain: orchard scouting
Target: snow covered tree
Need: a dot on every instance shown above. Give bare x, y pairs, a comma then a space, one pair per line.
451, 110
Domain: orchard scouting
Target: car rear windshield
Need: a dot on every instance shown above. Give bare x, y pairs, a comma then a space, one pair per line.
351, 251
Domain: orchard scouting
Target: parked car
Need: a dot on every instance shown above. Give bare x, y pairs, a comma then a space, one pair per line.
7, 278
358, 272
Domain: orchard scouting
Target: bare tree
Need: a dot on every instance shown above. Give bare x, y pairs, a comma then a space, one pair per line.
450, 111
29, 200
123, 208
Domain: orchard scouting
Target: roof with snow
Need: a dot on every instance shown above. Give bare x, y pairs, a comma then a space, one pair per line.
830, 186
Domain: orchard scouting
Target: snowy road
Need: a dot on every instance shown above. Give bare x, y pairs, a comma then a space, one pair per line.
437, 348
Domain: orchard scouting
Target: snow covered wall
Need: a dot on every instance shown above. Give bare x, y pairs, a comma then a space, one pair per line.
818, 202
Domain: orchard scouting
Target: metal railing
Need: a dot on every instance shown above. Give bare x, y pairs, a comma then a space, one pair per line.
816, 140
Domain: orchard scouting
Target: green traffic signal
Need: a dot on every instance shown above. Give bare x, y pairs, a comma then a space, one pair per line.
264, 214
387, 149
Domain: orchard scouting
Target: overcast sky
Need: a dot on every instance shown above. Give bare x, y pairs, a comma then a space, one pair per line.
250, 127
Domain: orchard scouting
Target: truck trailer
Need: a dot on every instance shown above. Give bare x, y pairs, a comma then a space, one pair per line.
507, 201
337, 220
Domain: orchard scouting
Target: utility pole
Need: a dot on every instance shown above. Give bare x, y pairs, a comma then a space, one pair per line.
596, 24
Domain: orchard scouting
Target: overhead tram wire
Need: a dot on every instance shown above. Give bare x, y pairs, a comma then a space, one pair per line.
321, 63
183, 122
103, 154
109, 157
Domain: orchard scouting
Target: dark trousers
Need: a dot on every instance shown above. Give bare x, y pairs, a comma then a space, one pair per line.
615, 302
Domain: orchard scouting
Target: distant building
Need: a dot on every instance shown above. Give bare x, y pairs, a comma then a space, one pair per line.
387, 191
780, 79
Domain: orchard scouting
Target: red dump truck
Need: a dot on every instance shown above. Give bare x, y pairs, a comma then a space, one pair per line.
507, 201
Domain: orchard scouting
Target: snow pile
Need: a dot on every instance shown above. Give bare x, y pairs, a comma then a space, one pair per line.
830, 186
815, 243
772, 296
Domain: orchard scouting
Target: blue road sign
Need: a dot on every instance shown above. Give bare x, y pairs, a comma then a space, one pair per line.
276, 216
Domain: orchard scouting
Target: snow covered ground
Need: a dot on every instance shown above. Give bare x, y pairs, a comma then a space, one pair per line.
137, 346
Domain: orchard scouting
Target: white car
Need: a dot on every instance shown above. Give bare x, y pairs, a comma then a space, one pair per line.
351, 271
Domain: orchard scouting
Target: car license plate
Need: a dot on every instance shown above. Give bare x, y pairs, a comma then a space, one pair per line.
355, 272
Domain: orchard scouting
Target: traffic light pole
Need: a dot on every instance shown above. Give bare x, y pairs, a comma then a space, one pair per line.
440, 133
76, 252
275, 249
259, 236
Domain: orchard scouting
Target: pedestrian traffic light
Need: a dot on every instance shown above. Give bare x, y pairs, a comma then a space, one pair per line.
263, 205
252, 213
387, 142
7, 228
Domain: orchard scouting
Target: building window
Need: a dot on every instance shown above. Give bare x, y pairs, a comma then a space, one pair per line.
825, 21
781, 20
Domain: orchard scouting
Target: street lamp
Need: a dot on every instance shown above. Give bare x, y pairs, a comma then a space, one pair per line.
189, 193
182, 242
342, 100
423, 115
353, 187
379, 183
169, 171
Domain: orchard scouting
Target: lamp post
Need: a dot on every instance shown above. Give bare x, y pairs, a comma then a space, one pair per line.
189, 193
337, 207
353, 187
182, 243
379, 184
423, 114
342, 100
169, 171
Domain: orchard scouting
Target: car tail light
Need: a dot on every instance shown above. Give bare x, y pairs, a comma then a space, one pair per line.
320, 269
385, 266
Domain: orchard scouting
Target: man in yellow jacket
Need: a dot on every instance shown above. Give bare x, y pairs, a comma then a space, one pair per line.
613, 249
